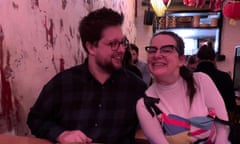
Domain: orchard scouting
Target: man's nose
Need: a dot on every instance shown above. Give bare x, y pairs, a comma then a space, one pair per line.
122, 48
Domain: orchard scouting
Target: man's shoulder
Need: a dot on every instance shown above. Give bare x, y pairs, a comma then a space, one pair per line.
223, 74
78, 70
75, 69
141, 63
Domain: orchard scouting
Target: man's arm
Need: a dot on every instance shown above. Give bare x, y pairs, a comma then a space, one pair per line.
42, 119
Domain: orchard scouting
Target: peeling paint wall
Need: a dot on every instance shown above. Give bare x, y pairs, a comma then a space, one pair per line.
39, 38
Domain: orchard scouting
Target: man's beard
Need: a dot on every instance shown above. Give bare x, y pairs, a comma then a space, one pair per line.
108, 66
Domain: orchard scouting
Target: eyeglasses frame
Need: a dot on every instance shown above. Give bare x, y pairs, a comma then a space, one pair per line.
160, 49
116, 44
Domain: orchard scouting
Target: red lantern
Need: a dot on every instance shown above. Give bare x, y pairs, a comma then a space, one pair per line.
232, 10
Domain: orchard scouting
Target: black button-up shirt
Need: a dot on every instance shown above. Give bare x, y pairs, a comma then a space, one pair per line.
75, 100
222, 81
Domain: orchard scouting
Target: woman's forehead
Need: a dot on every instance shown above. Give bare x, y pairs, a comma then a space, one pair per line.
163, 39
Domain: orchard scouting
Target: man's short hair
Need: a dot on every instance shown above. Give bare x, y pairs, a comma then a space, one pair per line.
206, 52
92, 25
192, 59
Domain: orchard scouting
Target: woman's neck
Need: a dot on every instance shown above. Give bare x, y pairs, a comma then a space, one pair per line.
167, 80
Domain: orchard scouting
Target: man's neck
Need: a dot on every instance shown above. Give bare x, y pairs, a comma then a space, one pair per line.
99, 74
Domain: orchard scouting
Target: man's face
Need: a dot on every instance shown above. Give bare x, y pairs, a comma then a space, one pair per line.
134, 56
110, 49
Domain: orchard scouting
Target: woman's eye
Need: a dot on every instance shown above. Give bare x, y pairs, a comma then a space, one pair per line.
166, 50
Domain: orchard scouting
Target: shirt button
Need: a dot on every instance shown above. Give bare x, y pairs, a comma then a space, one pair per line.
96, 124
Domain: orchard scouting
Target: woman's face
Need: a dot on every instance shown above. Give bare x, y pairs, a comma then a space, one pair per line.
164, 64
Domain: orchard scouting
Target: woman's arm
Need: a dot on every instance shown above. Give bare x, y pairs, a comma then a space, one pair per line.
150, 125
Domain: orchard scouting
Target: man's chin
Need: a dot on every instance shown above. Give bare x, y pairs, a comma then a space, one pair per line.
113, 67
117, 67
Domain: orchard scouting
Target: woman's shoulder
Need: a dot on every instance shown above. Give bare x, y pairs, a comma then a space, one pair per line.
203, 80
151, 90
200, 76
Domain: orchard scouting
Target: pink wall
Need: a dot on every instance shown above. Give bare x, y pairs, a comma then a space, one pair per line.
230, 38
39, 38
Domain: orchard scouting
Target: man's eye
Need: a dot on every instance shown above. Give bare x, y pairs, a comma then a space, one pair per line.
114, 43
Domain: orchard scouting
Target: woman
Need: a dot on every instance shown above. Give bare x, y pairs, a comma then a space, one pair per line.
186, 98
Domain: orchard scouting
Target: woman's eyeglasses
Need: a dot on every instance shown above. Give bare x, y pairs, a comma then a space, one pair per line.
116, 44
164, 50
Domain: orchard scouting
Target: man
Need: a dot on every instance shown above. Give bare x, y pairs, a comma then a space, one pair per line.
146, 76
93, 102
206, 58
192, 62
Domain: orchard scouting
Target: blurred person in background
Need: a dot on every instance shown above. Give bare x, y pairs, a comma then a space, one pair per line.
142, 66
128, 63
192, 62
207, 64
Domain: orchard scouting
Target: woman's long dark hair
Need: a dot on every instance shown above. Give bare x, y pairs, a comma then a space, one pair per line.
186, 74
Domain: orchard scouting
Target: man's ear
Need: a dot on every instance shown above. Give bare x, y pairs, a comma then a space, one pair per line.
91, 48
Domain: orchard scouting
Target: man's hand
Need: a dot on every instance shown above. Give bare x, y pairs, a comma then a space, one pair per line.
181, 138
76, 137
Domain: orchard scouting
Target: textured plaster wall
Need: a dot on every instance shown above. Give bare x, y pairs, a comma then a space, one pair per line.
39, 38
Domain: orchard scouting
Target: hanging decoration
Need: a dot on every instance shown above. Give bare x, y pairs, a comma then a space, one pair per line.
160, 6
232, 11
214, 5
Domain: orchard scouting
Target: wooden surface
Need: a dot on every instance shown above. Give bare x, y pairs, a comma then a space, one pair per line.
140, 137
11, 139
